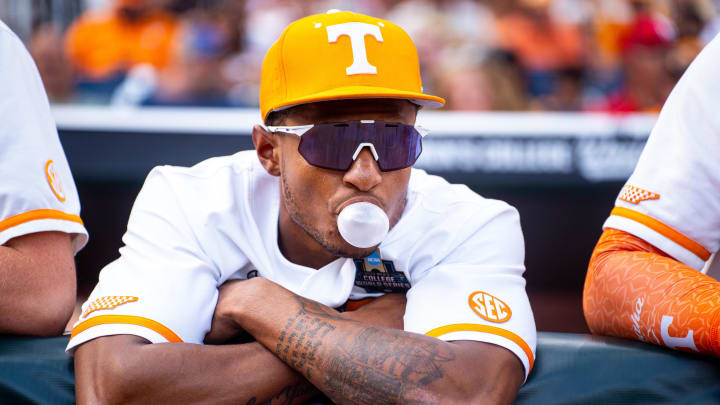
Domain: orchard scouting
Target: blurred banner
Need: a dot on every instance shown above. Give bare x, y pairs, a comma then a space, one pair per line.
476, 148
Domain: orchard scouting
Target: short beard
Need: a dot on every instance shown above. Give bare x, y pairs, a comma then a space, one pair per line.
305, 224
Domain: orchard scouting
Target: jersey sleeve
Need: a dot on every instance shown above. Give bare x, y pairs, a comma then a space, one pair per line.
672, 199
477, 292
163, 287
37, 191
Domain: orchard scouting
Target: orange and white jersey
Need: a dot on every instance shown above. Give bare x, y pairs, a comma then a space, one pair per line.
191, 229
37, 192
672, 199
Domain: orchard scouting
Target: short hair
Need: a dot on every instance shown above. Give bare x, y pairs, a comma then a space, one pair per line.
278, 117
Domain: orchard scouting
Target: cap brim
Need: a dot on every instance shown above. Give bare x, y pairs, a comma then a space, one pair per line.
356, 92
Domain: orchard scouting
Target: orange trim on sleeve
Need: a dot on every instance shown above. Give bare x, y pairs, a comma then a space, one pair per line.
670, 233
472, 327
130, 320
37, 214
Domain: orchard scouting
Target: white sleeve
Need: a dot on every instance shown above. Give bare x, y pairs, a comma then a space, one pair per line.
37, 192
163, 287
478, 292
672, 199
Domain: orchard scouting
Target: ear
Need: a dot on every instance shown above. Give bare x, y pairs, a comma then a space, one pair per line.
267, 148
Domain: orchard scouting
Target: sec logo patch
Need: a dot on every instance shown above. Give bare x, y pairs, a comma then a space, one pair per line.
54, 180
489, 307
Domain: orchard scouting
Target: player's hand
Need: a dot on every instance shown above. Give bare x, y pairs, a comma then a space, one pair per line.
224, 329
386, 311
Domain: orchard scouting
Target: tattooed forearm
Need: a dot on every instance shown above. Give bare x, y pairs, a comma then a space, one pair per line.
382, 366
361, 364
300, 340
287, 395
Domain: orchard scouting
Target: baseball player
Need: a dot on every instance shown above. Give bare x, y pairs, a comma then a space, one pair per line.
40, 226
645, 279
250, 246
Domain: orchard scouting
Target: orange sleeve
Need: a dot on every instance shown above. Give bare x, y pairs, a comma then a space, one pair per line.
634, 290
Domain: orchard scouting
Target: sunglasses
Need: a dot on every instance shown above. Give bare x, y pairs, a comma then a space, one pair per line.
335, 146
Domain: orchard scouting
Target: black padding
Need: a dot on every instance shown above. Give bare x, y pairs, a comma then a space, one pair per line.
35, 371
569, 369
586, 369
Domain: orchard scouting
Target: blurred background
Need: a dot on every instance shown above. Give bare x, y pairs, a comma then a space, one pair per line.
515, 55
549, 102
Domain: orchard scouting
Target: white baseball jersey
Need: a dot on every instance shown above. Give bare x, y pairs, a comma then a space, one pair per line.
192, 229
37, 192
672, 199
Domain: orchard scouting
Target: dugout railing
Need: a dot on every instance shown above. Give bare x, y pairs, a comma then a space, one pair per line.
570, 369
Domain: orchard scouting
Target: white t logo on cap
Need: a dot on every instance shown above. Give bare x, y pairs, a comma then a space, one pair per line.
357, 32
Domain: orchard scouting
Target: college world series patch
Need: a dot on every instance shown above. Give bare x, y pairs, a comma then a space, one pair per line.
375, 274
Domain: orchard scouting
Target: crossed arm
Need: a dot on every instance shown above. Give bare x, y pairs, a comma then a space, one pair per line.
37, 284
360, 357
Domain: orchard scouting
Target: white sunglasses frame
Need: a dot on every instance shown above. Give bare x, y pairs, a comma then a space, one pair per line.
299, 130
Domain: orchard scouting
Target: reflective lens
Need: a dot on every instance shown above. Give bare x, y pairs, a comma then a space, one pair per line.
334, 146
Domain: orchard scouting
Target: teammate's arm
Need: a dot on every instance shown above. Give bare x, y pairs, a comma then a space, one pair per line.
128, 369
634, 290
37, 284
355, 362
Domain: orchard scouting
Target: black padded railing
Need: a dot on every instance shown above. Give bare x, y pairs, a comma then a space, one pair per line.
569, 369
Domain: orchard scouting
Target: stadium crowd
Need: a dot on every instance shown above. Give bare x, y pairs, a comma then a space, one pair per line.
514, 55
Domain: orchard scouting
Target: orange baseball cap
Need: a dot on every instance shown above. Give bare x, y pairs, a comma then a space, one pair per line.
341, 55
